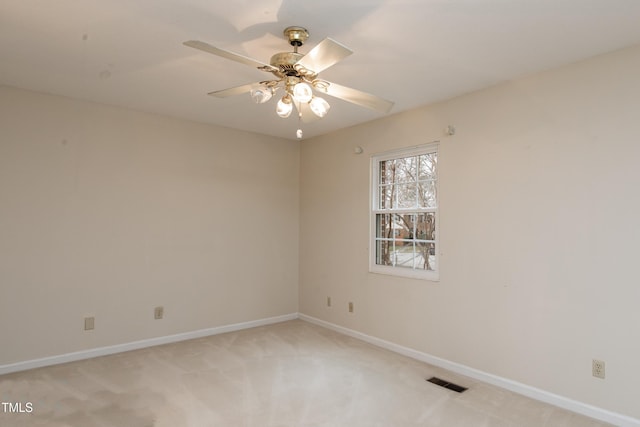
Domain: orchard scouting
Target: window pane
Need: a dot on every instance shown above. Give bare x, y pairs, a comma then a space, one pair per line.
383, 226
387, 171
427, 194
428, 166
407, 197
426, 256
426, 226
404, 254
399, 230
384, 249
406, 169
405, 226
385, 197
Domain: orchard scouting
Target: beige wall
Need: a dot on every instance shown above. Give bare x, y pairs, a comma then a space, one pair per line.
107, 212
539, 233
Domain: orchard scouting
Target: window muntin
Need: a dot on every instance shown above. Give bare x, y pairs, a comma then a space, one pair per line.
404, 212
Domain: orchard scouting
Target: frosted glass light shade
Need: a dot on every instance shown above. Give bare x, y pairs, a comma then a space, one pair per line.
261, 95
319, 106
302, 92
284, 107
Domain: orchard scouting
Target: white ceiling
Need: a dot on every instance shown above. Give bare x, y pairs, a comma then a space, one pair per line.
129, 53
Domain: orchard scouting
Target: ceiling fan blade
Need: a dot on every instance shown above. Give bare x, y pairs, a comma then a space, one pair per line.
358, 97
230, 55
324, 55
238, 90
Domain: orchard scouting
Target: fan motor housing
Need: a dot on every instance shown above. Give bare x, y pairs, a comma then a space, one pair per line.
285, 61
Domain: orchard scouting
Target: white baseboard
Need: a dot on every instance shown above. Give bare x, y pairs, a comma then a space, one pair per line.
516, 387
523, 389
119, 348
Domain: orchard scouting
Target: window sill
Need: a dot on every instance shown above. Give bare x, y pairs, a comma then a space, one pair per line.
430, 276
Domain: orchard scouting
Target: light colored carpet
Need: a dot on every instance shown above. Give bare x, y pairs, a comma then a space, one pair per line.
291, 374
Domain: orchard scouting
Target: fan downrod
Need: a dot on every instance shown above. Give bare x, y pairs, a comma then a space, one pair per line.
285, 61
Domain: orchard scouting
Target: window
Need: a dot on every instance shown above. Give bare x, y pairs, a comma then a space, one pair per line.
404, 212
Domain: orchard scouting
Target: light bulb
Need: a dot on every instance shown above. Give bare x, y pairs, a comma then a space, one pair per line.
319, 106
284, 107
261, 94
299, 133
302, 92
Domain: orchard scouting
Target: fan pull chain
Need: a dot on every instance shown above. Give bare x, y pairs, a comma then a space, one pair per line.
299, 131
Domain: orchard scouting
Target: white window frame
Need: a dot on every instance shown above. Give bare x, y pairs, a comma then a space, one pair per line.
432, 275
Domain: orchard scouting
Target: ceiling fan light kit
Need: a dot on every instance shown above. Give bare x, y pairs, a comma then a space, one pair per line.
319, 106
284, 107
302, 92
261, 94
297, 76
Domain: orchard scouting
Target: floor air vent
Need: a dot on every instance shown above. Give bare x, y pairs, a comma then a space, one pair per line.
447, 384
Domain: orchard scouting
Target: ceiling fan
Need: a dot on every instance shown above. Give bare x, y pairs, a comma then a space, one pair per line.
297, 74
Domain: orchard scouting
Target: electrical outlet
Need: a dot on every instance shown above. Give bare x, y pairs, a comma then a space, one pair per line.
328, 301
597, 368
350, 307
89, 323
158, 313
